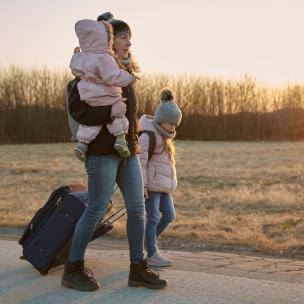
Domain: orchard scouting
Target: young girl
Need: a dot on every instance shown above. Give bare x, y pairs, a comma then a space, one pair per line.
101, 82
159, 172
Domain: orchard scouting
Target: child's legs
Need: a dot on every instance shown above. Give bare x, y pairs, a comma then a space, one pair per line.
166, 208
102, 171
152, 220
118, 126
130, 182
85, 134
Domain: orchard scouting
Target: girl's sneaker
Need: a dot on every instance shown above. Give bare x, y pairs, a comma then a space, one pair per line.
157, 260
121, 146
80, 150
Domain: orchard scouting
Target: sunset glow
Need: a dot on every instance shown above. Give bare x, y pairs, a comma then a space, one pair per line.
216, 38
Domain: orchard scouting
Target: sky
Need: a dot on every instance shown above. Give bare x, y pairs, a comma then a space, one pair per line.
216, 38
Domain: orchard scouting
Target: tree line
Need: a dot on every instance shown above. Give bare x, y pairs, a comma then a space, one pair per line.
33, 109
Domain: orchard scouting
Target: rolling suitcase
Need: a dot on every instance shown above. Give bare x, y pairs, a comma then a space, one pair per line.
47, 239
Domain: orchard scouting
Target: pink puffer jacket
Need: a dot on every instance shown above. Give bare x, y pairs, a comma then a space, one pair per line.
101, 78
159, 172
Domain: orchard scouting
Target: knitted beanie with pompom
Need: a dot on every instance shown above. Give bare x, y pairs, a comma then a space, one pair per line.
167, 111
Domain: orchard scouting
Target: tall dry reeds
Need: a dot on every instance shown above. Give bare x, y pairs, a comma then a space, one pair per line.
32, 106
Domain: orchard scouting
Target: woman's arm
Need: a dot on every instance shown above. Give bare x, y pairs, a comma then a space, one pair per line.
82, 112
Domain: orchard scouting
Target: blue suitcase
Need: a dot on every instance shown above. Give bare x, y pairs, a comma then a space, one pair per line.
47, 239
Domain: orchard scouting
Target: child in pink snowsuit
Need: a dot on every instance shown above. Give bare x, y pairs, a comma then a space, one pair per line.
101, 82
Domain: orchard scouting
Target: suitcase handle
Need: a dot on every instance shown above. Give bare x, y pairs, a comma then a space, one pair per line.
115, 216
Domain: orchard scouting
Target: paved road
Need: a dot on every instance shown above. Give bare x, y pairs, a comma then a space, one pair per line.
205, 277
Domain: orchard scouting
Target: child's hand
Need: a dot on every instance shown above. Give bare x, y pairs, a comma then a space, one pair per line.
119, 109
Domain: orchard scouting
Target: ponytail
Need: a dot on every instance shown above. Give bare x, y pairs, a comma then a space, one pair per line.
169, 147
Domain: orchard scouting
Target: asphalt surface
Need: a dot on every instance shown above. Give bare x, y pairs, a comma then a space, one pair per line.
195, 277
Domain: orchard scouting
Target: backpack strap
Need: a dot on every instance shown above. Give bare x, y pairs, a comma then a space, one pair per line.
152, 142
73, 125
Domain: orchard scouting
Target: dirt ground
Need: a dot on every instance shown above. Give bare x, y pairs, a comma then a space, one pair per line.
109, 242
231, 194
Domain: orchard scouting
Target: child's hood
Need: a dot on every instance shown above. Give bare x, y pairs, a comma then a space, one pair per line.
92, 36
146, 123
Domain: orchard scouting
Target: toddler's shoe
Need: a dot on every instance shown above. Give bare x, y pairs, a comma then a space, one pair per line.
157, 260
121, 146
80, 150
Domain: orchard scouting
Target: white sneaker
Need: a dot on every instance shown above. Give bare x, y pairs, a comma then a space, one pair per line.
157, 260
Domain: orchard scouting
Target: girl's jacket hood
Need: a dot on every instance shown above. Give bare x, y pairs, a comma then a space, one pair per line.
92, 36
146, 123
159, 173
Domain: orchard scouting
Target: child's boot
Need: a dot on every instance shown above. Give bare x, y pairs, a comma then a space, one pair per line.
80, 151
121, 146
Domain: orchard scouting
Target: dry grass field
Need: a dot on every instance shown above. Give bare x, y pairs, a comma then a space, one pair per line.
237, 193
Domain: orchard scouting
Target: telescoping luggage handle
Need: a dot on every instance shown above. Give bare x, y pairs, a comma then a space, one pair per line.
106, 225
115, 216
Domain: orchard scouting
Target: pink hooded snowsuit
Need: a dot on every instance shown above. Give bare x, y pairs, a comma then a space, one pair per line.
101, 78
159, 172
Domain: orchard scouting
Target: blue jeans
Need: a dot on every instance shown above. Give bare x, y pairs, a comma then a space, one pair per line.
160, 213
103, 171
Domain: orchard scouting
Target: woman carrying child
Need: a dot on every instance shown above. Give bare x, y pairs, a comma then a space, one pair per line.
105, 167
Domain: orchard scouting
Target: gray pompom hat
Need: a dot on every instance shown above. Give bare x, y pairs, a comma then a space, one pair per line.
167, 111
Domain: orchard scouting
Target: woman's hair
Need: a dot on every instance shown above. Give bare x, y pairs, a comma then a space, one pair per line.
169, 147
132, 67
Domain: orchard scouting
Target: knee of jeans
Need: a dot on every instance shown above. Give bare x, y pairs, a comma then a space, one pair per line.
169, 218
93, 216
136, 212
153, 218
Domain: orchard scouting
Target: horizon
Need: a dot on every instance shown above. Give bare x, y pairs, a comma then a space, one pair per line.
217, 40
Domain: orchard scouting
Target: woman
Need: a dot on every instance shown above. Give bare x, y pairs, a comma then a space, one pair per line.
105, 167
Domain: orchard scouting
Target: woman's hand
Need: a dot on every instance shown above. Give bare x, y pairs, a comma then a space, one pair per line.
146, 196
119, 109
